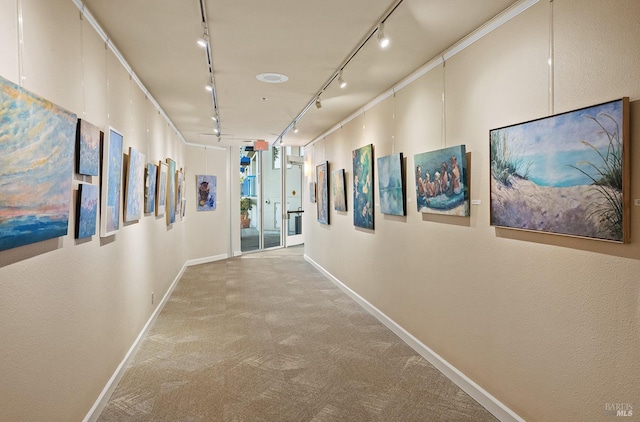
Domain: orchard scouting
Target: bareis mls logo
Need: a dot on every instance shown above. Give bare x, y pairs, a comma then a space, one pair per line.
618, 409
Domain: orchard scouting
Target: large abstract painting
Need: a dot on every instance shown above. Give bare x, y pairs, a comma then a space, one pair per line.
111, 183
150, 180
565, 174
87, 210
88, 142
391, 184
161, 186
441, 181
207, 191
171, 192
363, 187
36, 167
339, 190
134, 188
322, 197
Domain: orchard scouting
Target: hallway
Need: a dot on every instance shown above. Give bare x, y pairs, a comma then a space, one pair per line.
266, 337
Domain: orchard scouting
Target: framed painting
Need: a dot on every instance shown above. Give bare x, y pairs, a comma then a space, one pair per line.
171, 192
111, 183
322, 204
339, 190
37, 140
88, 140
565, 174
391, 184
179, 192
87, 210
161, 186
441, 181
363, 187
312, 192
207, 191
134, 187
150, 180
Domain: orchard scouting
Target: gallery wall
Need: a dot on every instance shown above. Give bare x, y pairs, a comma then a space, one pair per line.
547, 324
71, 309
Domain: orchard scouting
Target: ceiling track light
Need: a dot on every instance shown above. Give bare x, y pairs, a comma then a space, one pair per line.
203, 41
318, 103
383, 40
295, 128
341, 82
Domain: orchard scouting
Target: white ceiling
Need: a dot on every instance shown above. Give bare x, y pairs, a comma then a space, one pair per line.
307, 41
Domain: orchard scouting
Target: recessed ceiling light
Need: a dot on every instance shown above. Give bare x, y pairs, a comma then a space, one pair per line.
272, 78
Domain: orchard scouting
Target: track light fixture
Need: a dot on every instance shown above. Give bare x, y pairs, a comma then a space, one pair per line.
341, 82
318, 103
383, 40
203, 40
295, 128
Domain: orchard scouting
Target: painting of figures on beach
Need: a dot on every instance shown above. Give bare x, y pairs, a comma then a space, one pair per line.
111, 183
207, 190
87, 215
37, 140
564, 174
322, 176
391, 184
441, 181
134, 188
363, 187
339, 190
88, 154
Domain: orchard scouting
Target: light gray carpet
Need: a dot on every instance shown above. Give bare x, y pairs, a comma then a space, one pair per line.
266, 337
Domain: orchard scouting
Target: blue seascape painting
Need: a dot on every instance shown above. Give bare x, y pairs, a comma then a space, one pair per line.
36, 167
207, 190
441, 181
151, 177
88, 148
134, 188
87, 214
391, 184
111, 183
363, 187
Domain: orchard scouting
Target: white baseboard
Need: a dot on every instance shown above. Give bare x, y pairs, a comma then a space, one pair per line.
105, 395
489, 402
206, 260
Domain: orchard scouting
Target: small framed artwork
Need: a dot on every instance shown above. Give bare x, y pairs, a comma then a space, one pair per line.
161, 188
441, 181
179, 192
565, 174
363, 187
111, 183
322, 204
171, 192
134, 187
87, 210
150, 180
391, 184
88, 140
339, 190
206, 189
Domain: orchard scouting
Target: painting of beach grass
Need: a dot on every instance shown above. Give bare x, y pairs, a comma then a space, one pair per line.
565, 174
37, 140
363, 187
150, 180
88, 142
339, 190
391, 184
207, 191
161, 188
322, 197
111, 183
441, 181
134, 187
87, 210
171, 192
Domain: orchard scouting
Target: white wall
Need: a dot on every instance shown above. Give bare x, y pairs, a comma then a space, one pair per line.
549, 325
70, 310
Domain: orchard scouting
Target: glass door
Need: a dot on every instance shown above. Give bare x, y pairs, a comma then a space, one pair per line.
294, 176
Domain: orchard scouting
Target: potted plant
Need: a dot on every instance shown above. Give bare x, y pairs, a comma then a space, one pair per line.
245, 207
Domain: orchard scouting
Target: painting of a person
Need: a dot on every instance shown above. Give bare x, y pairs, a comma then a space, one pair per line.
420, 188
456, 186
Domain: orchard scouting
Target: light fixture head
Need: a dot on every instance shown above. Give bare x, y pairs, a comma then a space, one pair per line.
295, 128
318, 103
216, 131
209, 87
341, 82
383, 40
203, 41
214, 118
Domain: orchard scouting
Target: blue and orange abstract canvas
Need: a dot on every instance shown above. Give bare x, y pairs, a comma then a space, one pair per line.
88, 154
111, 183
36, 167
134, 188
87, 214
363, 187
